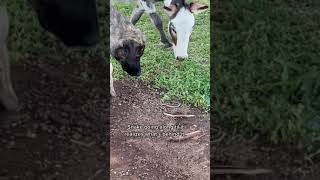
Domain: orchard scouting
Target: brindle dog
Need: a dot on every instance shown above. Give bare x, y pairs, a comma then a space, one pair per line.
127, 44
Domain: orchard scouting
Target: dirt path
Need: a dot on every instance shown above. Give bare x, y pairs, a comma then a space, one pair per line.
152, 157
59, 131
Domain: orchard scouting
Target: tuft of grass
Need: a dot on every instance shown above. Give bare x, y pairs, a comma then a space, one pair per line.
267, 68
187, 81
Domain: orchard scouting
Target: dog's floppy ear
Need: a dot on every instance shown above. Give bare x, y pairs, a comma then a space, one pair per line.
197, 8
171, 9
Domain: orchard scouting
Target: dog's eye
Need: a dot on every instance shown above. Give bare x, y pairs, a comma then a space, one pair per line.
122, 53
140, 51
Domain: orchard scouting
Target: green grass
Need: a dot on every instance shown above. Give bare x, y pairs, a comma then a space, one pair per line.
28, 40
187, 81
266, 59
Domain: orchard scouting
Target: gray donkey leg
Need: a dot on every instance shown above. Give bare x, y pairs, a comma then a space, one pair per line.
149, 7
8, 97
158, 24
136, 14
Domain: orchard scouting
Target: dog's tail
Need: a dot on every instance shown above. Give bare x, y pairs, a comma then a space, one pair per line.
4, 24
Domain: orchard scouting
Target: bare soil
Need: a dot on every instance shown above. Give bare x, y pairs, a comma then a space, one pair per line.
60, 127
160, 155
59, 130
239, 158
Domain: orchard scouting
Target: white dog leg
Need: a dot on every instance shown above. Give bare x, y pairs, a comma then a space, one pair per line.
112, 91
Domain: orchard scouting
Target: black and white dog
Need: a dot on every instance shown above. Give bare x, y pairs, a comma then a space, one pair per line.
180, 24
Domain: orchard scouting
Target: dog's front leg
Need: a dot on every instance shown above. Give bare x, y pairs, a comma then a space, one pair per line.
112, 91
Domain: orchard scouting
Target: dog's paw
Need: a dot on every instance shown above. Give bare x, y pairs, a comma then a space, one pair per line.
113, 93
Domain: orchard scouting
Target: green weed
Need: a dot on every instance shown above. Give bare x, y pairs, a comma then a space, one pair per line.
267, 66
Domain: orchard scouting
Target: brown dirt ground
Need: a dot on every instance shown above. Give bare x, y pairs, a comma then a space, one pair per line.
233, 151
156, 157
58, 131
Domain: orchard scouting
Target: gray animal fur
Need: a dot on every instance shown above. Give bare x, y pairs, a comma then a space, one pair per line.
8, 97
150, 9
121, 29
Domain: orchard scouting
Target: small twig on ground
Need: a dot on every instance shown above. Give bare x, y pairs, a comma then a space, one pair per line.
227, 166
198, 137
218, 134
311, 156
187, 136
95, 174
179, 115
242, 171
172, 106
82, 143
